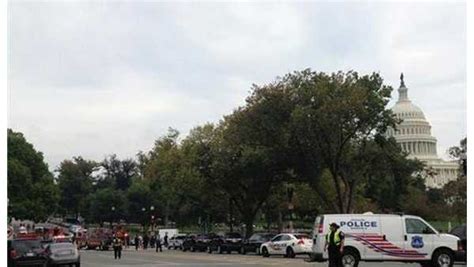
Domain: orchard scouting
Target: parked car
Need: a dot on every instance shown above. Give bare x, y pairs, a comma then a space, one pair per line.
99, 238
253, 243
26, 252
62, 254
386, 237
228, 243
460, 231
188, 242
287, 245
176, 241
202, 241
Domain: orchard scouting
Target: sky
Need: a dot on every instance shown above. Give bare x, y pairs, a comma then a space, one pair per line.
96, 78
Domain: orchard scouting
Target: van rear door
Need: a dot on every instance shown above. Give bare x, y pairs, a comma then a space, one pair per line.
393, 243
318, 236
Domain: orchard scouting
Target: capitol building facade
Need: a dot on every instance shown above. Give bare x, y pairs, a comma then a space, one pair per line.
414, 136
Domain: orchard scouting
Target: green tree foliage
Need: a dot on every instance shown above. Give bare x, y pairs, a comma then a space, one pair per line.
460, 153
388, 174
119, 172
32, 193
75, 181
140, 196
335, 117
250, 151
455, 193
101, 203
163, 172
199, 201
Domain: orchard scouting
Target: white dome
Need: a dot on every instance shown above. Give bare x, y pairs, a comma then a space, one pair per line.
413, 133
406, 110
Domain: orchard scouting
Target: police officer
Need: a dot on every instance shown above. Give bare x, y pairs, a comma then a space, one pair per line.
117, 244
165, 239
158, 242
335, 245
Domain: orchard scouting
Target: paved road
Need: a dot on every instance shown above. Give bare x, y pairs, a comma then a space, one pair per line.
178, 258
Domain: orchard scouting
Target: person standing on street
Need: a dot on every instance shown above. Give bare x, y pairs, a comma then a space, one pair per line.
137, 242
145, 241
117, 245
165, 239
158, 243
334, 245
152, 241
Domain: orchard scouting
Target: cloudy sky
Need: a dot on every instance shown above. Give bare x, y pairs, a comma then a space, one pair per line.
95, 78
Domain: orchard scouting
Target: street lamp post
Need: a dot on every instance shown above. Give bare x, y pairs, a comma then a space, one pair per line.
113, 215
289, 191
152, 208
144, 218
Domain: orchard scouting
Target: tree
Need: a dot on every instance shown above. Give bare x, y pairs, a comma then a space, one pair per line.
250, 149
101, 203
119, 172
75, 181
460, 153
388, 174
162, 171
32, 193
455, 193
334, 119
199, 201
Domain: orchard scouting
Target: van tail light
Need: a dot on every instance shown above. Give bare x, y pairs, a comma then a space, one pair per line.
321, 225
13, 254
320, 228
460, 246
300, 242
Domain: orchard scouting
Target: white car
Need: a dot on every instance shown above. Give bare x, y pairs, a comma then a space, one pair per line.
386, 237
288, 244
176, 241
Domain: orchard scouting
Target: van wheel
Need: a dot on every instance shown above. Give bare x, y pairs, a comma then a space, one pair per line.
350, 258
443, 258
265, 252
290, 253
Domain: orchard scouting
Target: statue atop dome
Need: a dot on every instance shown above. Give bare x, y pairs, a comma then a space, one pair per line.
402, 90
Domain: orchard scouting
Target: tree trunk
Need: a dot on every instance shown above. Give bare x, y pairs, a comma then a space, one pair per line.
248, 227
231, 215
350, 197
167, 211
280, 222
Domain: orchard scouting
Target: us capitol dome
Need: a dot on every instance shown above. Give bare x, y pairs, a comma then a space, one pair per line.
413, 134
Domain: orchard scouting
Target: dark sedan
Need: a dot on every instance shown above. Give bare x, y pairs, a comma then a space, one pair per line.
460, 231
228, 243
253, 243
202, 241
188, 242
26, 252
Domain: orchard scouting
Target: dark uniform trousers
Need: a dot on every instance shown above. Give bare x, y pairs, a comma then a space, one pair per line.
117, 245
117, 252
335, 259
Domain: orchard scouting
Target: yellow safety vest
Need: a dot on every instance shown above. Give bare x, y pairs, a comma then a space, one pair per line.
337, 237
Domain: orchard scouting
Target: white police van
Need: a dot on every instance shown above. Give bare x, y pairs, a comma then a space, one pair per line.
386, 237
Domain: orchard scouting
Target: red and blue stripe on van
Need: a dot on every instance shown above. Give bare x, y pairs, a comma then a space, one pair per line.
379, 244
